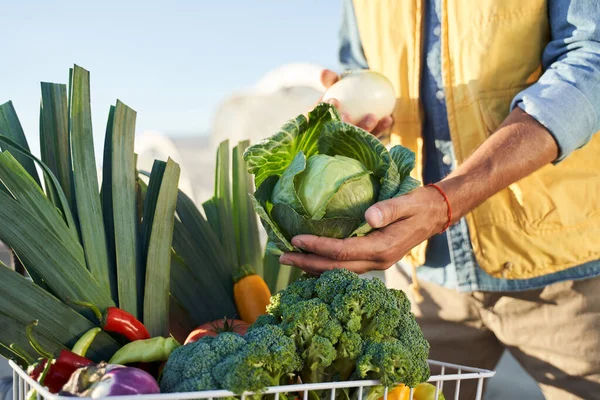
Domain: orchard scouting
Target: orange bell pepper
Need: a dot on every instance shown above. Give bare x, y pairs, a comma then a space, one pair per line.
423, 391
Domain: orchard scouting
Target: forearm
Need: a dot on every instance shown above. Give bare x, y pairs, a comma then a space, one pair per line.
520, 146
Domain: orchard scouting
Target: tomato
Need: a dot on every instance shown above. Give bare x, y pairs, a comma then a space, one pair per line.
215, 327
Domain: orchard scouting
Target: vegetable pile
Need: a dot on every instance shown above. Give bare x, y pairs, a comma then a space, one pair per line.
72, 374
319, 176
335, 327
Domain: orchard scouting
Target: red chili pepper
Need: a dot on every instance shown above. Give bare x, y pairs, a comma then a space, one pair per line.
118, 321
60, 369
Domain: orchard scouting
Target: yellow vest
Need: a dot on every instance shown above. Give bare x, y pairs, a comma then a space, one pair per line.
491, 50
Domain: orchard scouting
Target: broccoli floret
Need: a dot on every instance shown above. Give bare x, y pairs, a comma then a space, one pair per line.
274, 305
198, 383
317, 356
299, 291
262, 320
369, 308
227, 343
391, 361
402, 301
268, 359
348, 349
189, 367
350, 345
302, 320
332, 330
411, 336
333, 282
388, 361
315, 333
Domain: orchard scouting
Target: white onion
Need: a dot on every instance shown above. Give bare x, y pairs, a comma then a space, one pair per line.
361, 93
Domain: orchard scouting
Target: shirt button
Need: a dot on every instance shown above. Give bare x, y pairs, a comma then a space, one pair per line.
437, 31
447, 160
439, 95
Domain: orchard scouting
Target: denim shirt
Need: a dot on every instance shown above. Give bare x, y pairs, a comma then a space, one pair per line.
566, 100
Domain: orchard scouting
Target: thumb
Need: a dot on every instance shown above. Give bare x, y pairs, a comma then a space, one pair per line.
385, 212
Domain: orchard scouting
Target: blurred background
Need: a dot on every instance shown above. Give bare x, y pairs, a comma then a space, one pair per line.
197, 72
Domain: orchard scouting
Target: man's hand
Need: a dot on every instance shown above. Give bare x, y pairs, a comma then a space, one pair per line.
403, 223
520, 146
369, 123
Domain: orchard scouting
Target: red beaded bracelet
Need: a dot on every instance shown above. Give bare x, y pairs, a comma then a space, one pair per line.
439, 189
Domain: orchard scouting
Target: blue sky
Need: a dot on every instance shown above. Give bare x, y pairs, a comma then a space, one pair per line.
173, 62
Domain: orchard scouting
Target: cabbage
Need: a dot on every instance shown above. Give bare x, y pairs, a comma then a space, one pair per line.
319, 175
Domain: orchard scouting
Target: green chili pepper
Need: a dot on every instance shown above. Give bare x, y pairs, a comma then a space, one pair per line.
85, 341
148, 350
32, 394
18, 350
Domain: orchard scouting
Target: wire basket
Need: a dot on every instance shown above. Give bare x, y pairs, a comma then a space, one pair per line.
22, 383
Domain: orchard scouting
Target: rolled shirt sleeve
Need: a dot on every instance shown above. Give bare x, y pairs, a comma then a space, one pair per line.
566, 98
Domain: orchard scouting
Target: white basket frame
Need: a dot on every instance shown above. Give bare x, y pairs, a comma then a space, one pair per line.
23, 382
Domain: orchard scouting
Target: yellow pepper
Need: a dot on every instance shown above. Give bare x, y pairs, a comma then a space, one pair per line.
423, 391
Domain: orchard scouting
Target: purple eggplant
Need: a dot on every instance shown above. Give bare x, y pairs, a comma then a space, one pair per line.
104, 379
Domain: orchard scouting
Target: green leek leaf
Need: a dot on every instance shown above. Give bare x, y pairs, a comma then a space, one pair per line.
10, 126
158, 251
244, 218
145, 230
106, 197
54, 184
187, 289
24, 301
222, 201
28, 194
54, 135
124, 212
212, 281
41, 250
89, 209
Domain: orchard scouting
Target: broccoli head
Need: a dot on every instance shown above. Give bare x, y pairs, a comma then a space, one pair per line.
189, 368
265, 356
345, 326
269, 358
334, 327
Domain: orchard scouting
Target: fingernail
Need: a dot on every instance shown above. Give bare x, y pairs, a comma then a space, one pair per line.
285, 260
298, 243
375, 216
